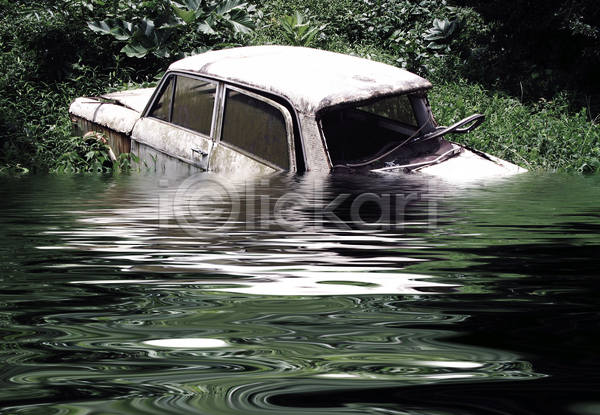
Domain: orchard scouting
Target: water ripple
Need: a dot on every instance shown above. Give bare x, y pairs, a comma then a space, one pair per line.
488, 308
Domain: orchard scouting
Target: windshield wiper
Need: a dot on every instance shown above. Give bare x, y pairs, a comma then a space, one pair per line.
464, 126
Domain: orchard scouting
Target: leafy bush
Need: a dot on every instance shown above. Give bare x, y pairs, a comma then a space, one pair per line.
297, 31
416, 36
91, 153
169, 31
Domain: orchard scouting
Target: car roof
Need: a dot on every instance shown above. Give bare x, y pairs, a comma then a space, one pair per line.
310, 79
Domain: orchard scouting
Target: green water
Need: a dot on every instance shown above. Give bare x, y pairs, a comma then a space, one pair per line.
146, 293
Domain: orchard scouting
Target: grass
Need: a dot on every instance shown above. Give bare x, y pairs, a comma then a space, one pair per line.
547, 136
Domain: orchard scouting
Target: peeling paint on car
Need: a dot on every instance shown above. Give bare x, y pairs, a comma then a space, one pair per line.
135, 99
175, 142
227, 160
112, 116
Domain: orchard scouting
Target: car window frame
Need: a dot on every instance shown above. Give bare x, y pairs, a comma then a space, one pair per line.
289, 126
172, 77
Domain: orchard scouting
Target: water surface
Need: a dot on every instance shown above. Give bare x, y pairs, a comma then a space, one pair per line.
149, 293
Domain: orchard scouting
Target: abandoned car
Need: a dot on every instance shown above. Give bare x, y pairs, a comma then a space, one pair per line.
280, 108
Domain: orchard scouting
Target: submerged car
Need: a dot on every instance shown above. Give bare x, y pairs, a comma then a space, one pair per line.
265, 109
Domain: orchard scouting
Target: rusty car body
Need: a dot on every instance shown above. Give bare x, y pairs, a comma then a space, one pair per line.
265, 109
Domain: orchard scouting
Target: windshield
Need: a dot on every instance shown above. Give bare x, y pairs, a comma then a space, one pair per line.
396, 108
353, 133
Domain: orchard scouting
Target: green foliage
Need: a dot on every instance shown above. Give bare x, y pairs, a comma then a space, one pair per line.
297, 31
441, 34
162, 34
545, 136
421, 50
525, 71
538, 48
143, 38
48, 58
411, 35
91, 153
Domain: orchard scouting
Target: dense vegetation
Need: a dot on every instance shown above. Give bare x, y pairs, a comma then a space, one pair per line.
531, 66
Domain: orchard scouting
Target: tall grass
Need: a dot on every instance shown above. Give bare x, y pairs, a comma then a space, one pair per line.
546, 136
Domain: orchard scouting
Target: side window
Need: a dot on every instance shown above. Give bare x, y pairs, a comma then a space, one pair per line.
256, 127
192, 105
163, 105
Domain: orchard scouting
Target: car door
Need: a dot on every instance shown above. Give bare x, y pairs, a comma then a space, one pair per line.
180, 119
255, 134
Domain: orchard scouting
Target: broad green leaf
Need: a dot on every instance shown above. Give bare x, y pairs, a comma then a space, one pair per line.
187, 16
207, 26
241, 21
310, 35
433, 37
168, 20
300, 29
191, 5
146, 26
228, 5
125, 165
297, 31
115, 27
136, 50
